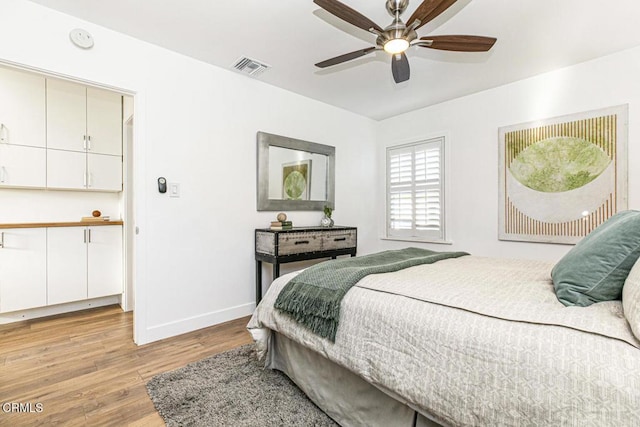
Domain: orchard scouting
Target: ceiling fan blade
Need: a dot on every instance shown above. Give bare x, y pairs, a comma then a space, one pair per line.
458, 43
346, 57
347, 14
400, 68
428, 10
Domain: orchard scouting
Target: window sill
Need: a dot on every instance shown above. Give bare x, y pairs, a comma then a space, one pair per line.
419, 240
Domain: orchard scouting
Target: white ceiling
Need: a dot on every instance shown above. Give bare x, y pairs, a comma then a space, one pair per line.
534, 36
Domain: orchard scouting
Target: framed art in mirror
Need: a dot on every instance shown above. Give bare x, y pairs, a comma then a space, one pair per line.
294, 174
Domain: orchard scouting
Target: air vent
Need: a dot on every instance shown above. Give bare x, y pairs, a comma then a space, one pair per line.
250, 66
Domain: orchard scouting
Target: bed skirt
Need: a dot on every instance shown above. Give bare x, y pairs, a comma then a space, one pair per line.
341, 394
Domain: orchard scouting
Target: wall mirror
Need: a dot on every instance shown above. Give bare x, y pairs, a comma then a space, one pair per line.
294, 175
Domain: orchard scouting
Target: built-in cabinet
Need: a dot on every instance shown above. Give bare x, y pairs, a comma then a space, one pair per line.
54, 265
22, 167
58, 134
22, 108
22, 129
81, 118
83, 262
66, 264
83, 171
23, 268
84, 137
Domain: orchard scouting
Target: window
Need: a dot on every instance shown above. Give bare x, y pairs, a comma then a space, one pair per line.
415, 191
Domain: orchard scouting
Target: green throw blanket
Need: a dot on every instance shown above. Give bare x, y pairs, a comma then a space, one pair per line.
313, 297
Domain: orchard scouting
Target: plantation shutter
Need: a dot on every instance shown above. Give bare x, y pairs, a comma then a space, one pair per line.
415, 190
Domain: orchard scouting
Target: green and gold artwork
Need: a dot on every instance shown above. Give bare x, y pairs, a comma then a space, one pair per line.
559, 164
295, 180
562, 176
294, 185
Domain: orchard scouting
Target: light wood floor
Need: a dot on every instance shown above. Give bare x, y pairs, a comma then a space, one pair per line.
85, 369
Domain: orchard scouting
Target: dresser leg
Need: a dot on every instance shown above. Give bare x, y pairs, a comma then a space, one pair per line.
258, 282
276, 270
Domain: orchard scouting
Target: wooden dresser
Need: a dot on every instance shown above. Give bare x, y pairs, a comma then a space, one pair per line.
299, 244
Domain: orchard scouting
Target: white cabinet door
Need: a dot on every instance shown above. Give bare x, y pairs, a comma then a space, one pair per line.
105, 172
23, 268
66, 264
105, 261
66, 115
22, 108
22, 166
83, 120
66, 169
104, 122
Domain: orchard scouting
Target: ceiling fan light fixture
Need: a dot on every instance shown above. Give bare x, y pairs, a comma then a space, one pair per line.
395, 46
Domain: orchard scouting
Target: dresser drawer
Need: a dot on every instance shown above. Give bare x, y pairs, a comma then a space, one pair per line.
265, 242
297, 243
338, 239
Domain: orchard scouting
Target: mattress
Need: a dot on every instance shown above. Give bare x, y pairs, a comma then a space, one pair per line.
479, 341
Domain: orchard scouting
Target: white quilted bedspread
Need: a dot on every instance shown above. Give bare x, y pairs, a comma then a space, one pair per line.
481, 341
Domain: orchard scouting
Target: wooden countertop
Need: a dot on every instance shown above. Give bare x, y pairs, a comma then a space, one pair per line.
61, 224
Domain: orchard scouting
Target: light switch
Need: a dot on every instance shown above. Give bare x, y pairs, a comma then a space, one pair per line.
174, 189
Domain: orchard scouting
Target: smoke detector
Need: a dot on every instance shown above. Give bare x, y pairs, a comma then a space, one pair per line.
250, 66
81, 38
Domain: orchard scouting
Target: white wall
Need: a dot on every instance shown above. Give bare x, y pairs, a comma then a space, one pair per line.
196, 124
472, 123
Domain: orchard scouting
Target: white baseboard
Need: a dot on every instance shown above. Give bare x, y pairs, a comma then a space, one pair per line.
34, 313
182, 326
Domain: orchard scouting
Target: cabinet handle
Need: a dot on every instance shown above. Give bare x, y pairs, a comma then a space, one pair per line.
89, 235
3, 134
301, 242
85, 235
2, 240
339, 239
84, 179
89, 179
86, 142
3, 174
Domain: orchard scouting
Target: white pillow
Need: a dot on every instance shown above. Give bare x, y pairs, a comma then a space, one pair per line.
631, 299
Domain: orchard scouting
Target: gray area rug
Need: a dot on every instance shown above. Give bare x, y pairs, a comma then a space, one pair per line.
232, 389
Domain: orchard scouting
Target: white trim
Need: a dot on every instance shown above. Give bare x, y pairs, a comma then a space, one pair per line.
190, 324
66, 77
34, 313
419, 240
140, 265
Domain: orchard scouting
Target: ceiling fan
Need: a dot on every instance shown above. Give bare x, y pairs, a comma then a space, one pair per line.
398, 36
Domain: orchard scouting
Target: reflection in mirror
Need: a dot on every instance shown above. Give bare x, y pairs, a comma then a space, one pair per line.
294, 174
297, 175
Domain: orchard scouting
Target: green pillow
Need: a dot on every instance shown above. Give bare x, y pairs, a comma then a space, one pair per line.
595, 269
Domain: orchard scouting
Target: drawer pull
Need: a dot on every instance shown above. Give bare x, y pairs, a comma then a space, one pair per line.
339, 239
301, 242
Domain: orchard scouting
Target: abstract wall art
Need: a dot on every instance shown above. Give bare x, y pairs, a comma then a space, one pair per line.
296, 180
562, 177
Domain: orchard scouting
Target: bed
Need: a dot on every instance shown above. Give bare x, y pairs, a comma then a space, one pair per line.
464, 341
